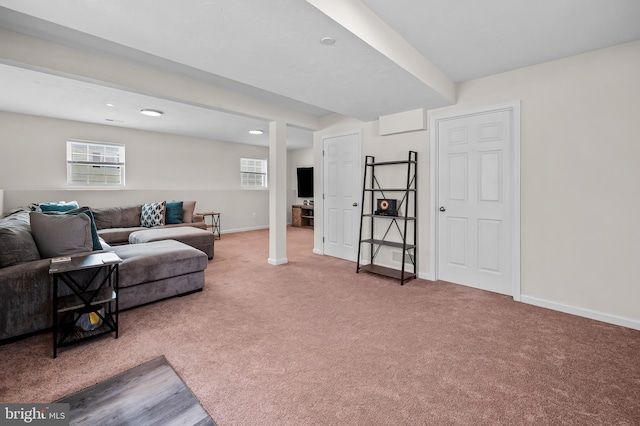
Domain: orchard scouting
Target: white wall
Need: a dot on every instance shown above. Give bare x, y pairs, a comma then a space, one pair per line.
580, 192
159, 167
580, 195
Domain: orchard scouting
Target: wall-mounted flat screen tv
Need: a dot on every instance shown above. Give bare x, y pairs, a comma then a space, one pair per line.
305, 182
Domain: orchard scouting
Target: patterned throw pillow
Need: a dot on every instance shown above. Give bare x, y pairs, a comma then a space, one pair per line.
152, 214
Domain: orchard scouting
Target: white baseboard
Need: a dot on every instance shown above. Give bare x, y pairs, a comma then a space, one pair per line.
317, 251
581, 312
252, 228
426, 276
277, 262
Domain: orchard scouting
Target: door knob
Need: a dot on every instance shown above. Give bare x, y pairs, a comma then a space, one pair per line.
442, 209
355, 204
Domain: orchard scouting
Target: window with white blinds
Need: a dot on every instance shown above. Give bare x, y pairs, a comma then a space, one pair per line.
253, 173
95, 164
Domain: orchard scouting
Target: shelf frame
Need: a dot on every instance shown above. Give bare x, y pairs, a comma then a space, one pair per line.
371, 185
93, 293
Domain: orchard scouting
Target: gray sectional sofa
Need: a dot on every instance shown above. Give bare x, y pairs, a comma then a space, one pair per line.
115, 224
149, 272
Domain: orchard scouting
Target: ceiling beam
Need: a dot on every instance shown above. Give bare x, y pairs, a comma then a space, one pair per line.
39, 55
366, 25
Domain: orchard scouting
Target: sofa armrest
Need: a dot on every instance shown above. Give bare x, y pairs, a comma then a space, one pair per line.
25, 298
197, 218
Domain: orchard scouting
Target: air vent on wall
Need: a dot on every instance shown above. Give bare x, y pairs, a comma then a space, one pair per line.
402, 122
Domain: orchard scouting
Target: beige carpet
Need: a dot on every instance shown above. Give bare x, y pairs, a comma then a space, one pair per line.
312, 342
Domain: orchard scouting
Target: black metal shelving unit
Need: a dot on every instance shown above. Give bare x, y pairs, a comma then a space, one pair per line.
408, 204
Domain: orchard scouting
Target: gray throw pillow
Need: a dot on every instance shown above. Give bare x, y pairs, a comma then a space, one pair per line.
16, 243
187, 211
61, 235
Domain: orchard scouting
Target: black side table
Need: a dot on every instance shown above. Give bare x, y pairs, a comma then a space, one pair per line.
215, 222
93, 293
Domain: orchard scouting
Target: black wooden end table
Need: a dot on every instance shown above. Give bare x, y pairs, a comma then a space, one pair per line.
94, 293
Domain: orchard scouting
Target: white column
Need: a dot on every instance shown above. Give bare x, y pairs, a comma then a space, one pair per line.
277, 193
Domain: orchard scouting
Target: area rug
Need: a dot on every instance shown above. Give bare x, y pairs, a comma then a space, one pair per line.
149, 394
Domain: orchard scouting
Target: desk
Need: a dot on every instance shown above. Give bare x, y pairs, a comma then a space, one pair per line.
215, 222
94, 293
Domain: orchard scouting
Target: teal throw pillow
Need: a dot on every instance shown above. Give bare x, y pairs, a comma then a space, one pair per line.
174, 212
94, 231
59, 207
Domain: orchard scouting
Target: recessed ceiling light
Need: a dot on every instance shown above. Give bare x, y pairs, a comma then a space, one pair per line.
256, 132
110, 105
327, 41
151, 112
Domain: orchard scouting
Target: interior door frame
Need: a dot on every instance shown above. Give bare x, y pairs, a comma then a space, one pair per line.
514, 109
358, 182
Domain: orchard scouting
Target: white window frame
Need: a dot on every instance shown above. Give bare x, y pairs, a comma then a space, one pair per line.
101, 169
253, 173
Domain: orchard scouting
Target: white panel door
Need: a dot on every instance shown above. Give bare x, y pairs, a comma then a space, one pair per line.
474, 199
342, 195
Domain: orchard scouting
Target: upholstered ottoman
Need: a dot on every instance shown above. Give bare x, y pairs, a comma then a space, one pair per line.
194, 237
158, 270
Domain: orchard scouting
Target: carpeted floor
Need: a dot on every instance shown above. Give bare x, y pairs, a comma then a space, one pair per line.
312, 342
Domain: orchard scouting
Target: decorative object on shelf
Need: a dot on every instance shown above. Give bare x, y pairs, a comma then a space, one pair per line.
387, 207
387, 211
89, 321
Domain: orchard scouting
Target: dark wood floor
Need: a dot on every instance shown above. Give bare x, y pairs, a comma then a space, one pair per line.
150, 394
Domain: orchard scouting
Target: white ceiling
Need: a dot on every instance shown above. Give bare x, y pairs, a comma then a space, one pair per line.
270, 51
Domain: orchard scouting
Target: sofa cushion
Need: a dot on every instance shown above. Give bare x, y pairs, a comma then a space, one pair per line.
194, 237
16, 242
58, 207
174, 212
61, 235
118, 235
117, 217
152, 214
157, 260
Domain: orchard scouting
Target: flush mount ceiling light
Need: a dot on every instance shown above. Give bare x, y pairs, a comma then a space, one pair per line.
327, 41
256, 132
151, 112
110, 105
